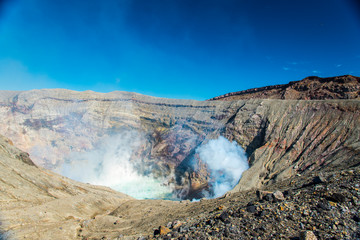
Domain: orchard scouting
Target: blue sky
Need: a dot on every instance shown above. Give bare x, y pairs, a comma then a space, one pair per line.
194, 49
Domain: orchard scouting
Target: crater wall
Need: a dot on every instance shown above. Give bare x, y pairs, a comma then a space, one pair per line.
280, 137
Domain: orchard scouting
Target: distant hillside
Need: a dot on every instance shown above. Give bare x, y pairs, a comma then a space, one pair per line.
310, 88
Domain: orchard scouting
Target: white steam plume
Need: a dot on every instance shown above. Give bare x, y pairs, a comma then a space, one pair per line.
110, 165
226, 161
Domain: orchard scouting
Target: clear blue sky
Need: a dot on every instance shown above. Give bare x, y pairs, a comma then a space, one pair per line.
194, 49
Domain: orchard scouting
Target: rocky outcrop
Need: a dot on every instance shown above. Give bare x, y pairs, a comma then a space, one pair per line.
306, 210
310, 88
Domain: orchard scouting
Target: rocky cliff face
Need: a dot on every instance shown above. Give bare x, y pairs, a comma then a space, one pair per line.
285, 138
310, 88
281, 137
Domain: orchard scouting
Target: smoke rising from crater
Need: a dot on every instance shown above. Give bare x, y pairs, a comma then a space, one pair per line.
114, 163
111, 164
226, 160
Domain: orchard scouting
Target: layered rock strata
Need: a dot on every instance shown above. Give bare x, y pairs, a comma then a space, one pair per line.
310, 88
285, 138
281, 137
52, 124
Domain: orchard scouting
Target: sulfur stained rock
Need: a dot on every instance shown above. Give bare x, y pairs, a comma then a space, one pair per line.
164, 230
176, 224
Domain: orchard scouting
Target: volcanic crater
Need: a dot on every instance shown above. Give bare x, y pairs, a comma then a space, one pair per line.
304, 128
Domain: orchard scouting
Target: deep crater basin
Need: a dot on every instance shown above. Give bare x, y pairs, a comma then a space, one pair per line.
213, 168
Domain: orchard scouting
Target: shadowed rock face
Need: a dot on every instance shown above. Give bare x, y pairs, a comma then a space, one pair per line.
280, 137
310, 88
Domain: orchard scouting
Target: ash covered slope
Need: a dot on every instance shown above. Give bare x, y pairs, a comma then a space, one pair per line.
310, 88
38, 204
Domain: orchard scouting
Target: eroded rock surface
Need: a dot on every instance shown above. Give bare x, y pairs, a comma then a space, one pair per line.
286, 138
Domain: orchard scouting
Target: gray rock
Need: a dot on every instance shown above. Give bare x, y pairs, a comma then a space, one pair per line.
278, 196
307, 235
318, 180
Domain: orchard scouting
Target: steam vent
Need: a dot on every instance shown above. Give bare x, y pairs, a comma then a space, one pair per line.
279, 161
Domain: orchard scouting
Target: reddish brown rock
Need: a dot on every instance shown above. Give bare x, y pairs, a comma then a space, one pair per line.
310, 88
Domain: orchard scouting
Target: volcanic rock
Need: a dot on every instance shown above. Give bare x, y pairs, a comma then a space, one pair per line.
278, 196
318, 180
293, 218
341, 87
261, 194
164, 230
176, 224
307, 235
